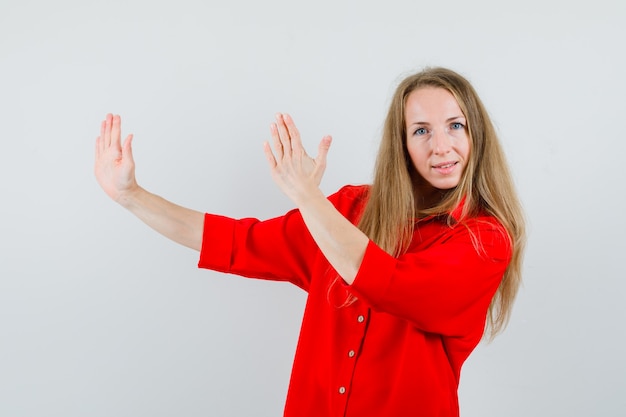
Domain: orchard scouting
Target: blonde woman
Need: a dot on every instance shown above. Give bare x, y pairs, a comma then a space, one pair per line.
404, 276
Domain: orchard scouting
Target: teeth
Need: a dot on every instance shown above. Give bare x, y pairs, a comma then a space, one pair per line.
446, 165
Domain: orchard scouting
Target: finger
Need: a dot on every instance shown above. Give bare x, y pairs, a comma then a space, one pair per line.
116, 132
283, 134
322, 151
277, 143
106, 134
271, 160
294, 135
127, 150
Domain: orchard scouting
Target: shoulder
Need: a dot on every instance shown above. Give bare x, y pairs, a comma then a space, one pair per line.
353, 190
481, 234
350, 200
488, 235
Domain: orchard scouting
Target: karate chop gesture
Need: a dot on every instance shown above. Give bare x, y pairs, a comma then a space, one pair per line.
298, 175
295, 172
114, 167
115, 172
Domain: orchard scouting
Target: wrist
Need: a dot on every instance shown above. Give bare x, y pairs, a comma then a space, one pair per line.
129, 197
307, 197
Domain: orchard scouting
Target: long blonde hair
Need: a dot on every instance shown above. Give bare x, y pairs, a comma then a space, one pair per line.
486, 185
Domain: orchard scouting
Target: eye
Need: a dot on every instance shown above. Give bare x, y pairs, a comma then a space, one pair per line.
420, 131
457, 126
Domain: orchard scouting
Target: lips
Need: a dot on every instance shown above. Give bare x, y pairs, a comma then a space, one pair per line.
445, 168
445, 165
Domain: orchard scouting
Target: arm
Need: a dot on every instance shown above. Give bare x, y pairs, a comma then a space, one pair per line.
299, 175
444, 285
443, 288
115, 172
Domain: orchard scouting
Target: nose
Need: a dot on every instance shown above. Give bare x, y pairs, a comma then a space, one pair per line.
441, 142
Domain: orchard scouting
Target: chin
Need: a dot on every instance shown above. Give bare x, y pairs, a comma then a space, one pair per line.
445, 185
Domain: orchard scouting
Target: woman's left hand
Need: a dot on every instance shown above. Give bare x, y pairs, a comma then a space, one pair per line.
296, 173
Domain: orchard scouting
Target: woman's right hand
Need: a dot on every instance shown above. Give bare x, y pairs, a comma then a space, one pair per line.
114, 166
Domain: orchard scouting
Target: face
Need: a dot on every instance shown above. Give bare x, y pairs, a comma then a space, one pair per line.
437, 139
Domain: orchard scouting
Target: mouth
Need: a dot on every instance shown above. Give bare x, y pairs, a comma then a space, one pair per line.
445, 167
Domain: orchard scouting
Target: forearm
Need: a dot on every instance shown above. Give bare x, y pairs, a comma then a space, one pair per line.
341, 242
180, 224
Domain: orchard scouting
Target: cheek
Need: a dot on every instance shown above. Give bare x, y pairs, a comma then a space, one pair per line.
463, 147
418, 150
414, 154
467, 149
419, 160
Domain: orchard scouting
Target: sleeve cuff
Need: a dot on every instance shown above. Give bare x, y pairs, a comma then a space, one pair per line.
374, 277
217, 243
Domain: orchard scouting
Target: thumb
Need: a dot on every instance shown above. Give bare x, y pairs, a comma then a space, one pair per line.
127, 149
322, 150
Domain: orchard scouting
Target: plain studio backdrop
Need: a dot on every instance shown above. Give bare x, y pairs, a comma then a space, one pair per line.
100, 316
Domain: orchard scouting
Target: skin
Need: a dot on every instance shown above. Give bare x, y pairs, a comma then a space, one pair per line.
115, 171
437, 140
297, 174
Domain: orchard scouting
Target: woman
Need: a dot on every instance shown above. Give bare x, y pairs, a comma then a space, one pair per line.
403, 276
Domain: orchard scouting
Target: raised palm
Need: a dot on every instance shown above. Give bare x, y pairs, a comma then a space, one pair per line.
295, 172
114, 165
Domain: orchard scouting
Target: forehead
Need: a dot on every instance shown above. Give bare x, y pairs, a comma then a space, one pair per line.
431, 104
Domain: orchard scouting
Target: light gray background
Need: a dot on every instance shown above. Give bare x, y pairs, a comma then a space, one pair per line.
99, 316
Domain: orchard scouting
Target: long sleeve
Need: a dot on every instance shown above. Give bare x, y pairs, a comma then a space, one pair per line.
399, 347
442, 286
279, 249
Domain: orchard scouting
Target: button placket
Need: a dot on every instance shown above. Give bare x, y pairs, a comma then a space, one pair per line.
360, 319
357, 331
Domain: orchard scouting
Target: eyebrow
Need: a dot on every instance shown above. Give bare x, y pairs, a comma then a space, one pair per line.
447, 120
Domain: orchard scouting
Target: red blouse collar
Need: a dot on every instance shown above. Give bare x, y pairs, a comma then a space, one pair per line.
455, 213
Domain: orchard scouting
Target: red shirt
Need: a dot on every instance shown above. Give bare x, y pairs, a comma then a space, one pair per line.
397, 350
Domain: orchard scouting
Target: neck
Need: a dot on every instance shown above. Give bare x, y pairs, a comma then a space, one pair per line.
426, 196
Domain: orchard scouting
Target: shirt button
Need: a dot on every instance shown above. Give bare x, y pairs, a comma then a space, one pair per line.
361, 319
342, 390
351, 354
